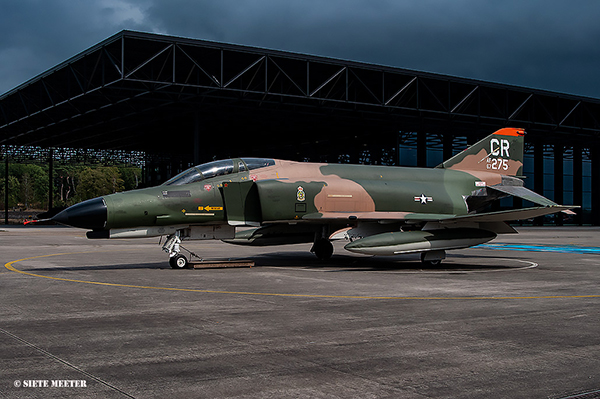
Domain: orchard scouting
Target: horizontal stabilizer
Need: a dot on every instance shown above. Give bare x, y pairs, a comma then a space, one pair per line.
513, 214
524, 193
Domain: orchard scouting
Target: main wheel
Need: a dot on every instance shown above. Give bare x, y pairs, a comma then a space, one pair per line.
178, 262
428, 263
322, 248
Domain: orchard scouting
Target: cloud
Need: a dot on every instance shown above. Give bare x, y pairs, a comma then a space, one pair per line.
535, 43
35, 35
547, 44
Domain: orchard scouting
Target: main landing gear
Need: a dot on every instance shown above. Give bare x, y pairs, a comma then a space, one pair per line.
433, 258
322, 248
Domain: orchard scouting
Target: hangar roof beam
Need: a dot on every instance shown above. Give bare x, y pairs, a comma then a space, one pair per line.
135, 84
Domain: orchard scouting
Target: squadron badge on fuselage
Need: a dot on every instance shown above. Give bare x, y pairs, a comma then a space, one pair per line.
300, 195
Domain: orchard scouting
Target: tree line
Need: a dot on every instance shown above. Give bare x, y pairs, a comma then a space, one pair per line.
28, 184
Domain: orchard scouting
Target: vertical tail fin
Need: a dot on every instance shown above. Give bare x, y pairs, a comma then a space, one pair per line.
501, 152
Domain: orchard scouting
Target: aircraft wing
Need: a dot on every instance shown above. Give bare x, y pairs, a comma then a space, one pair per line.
370, 216
499, 216
510, 215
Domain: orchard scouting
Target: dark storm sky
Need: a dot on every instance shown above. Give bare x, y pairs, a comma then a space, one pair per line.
546, 44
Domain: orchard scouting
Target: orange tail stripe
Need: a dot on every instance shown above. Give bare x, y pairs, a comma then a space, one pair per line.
510, 131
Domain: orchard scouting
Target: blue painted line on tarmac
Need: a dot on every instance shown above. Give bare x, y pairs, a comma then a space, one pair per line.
565, 249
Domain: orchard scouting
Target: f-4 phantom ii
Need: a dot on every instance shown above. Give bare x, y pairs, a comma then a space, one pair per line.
381, 210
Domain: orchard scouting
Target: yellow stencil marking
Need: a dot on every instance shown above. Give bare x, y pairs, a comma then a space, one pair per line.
209, 208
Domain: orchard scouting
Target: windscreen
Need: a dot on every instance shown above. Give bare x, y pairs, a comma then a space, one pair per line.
201, 172
217, 168
189, 176
255, 163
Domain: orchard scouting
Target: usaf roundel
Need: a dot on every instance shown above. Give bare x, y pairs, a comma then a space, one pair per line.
423, 199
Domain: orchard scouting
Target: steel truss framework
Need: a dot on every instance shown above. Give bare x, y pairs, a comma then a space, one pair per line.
185, 101
86, 156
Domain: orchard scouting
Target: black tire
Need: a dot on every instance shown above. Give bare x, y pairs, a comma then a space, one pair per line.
323, 249
178, 262
430, 263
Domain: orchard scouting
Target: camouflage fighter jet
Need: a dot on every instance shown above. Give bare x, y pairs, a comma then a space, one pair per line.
380, 210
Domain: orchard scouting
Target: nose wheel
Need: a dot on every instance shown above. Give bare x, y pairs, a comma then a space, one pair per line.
178, 261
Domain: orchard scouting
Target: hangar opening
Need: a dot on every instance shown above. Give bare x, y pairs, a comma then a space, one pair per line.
162, 104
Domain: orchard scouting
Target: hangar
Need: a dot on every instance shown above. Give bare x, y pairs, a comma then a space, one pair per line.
170, 102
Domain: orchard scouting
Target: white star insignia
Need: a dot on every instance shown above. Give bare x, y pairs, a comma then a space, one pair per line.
423, 199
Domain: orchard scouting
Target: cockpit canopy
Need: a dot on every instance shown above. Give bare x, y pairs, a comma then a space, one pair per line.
218, 168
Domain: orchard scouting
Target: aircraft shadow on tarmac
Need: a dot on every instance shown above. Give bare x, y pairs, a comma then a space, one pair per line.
141, 265
344, 263
338, 263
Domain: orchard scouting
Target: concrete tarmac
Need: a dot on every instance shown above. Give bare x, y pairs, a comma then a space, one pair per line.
109, 319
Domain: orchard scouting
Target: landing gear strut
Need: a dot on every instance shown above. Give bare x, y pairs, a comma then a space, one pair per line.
172, 247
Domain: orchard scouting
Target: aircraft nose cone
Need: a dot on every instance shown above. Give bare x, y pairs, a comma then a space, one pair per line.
90, 214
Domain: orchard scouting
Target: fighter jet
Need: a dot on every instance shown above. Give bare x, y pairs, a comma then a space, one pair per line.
379, 210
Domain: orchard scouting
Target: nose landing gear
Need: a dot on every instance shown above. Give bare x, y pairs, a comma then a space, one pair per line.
172, 246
